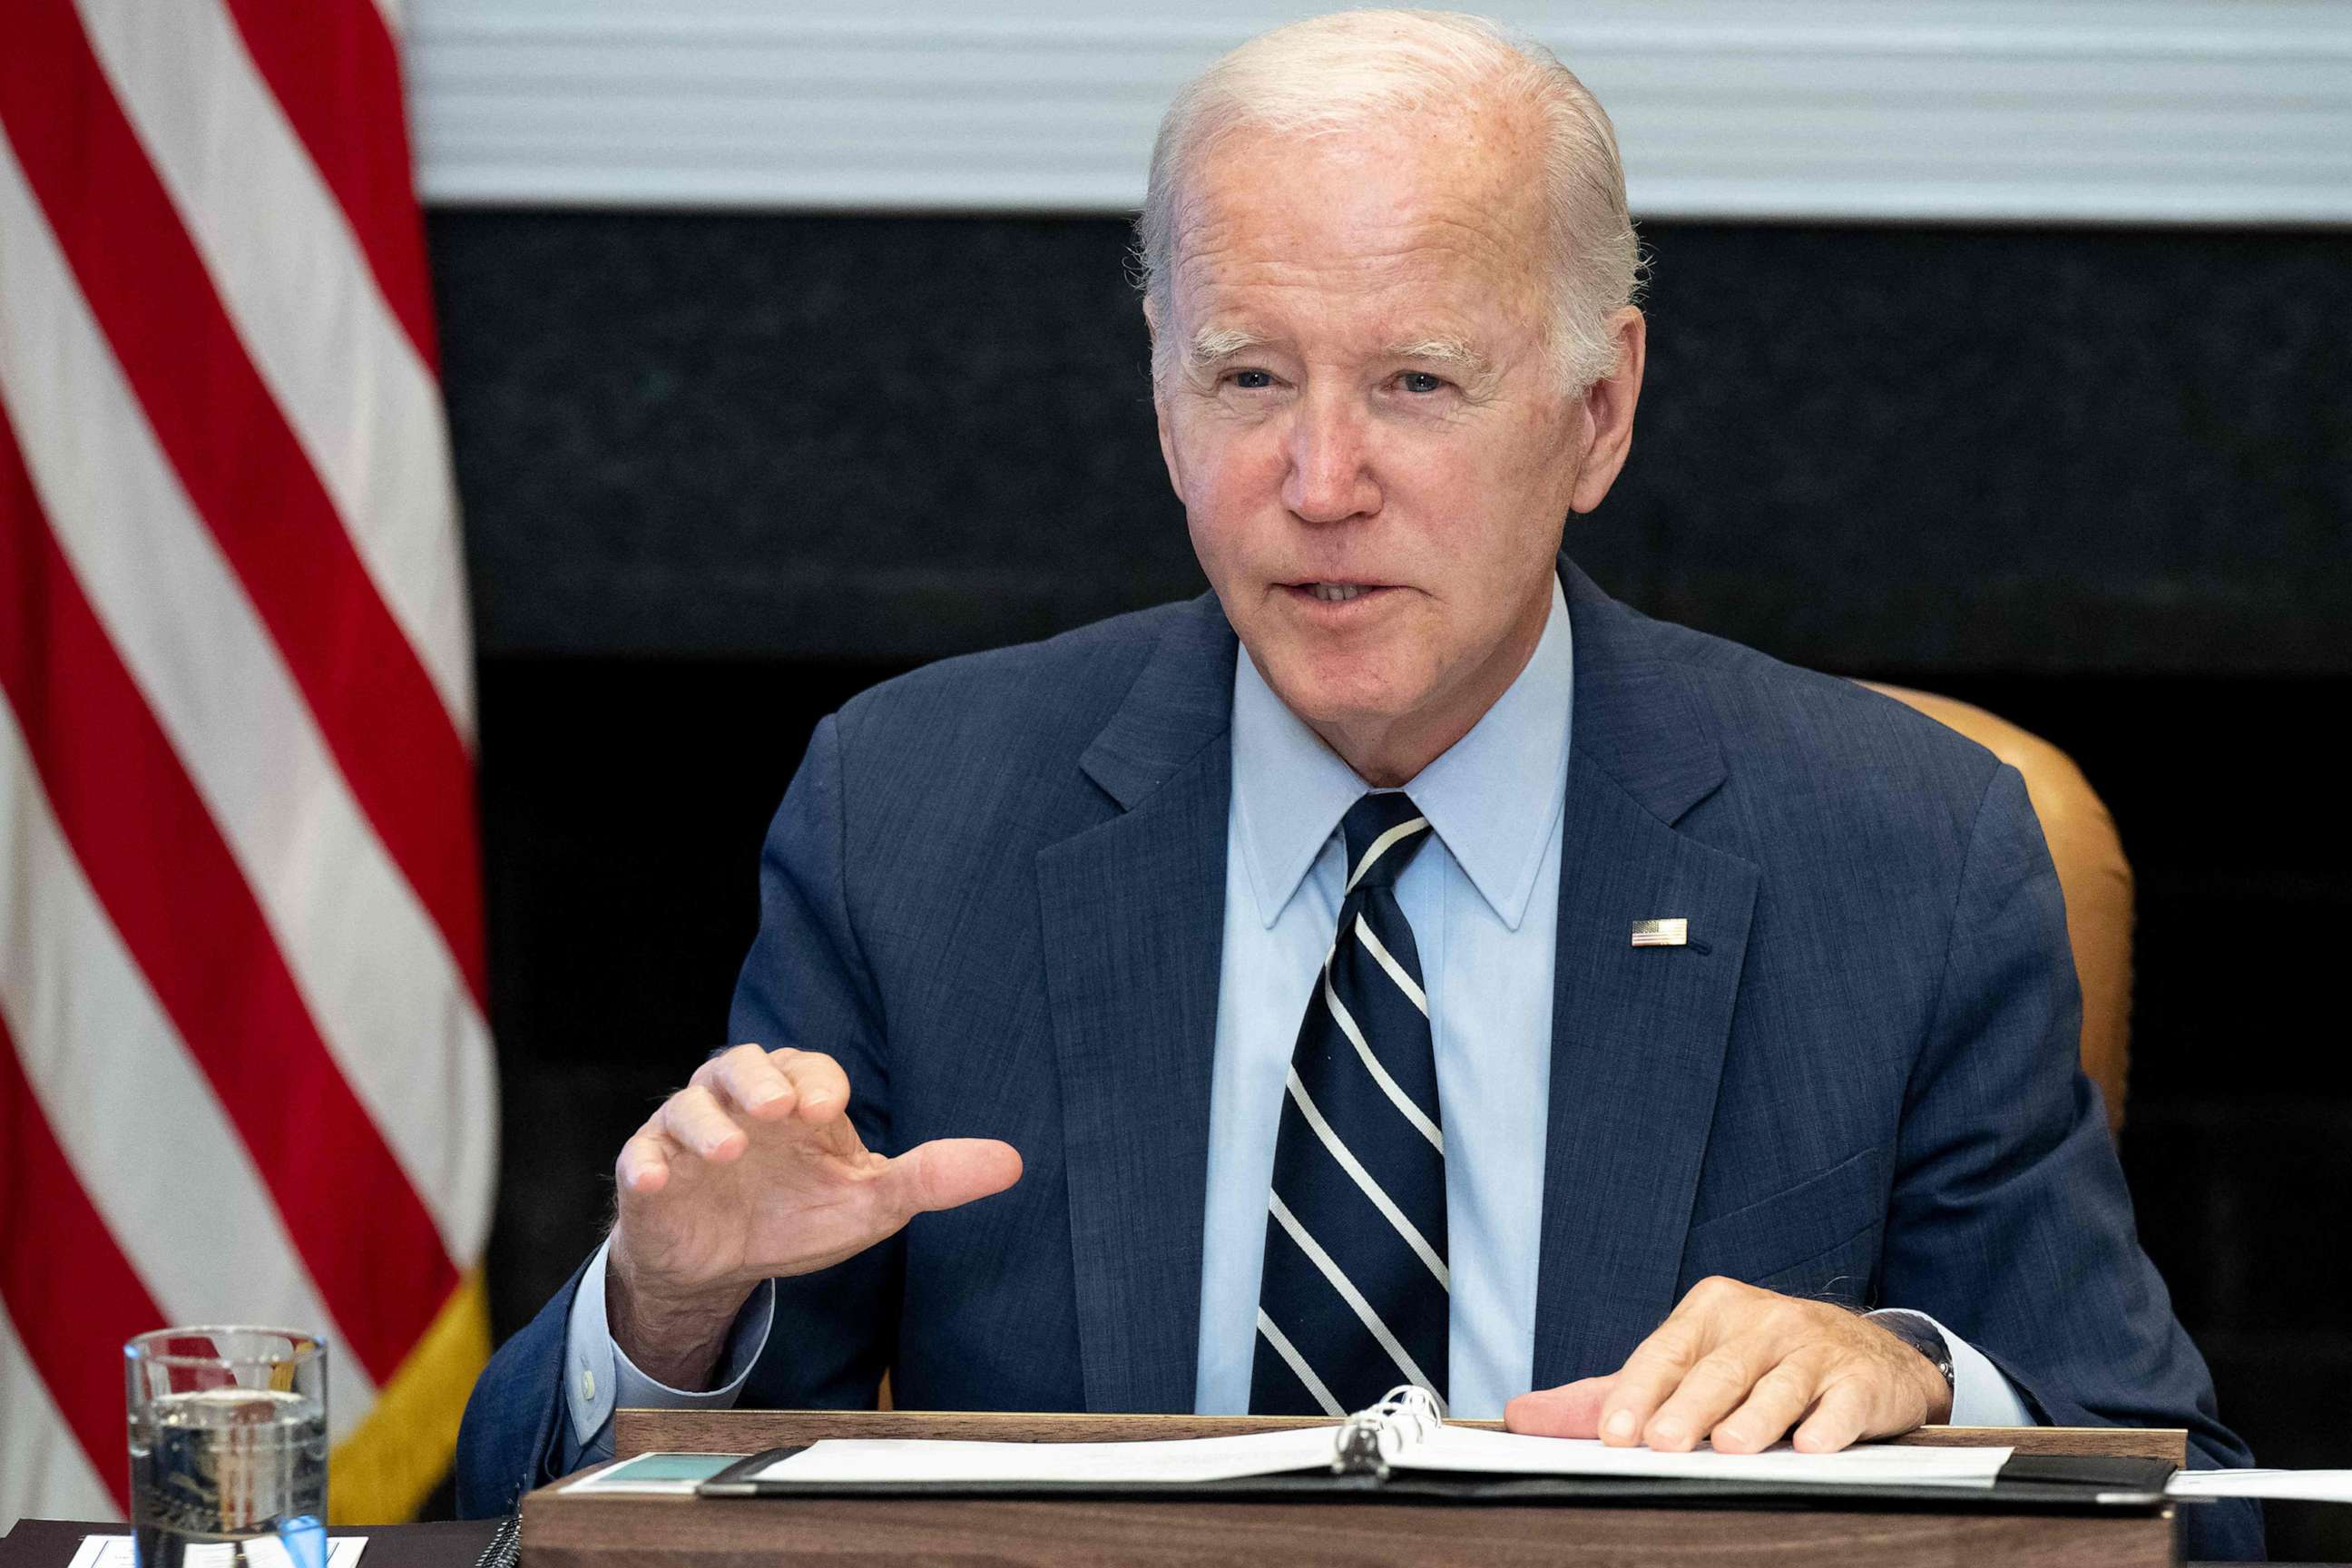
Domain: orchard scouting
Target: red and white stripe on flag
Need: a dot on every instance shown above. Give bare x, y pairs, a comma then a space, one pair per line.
245, 1073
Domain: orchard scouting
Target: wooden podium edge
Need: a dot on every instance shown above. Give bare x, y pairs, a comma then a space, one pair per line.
626, 1531
750, 1431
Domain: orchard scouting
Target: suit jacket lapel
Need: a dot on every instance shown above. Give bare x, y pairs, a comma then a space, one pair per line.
1133, 913
1638, 1034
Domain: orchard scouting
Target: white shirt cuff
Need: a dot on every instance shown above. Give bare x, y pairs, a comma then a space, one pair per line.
599, 1377
1982, 1395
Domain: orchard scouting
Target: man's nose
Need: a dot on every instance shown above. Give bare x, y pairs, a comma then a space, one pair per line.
1330, 478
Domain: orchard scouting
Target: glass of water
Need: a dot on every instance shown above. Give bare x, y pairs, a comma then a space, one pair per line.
229, 1448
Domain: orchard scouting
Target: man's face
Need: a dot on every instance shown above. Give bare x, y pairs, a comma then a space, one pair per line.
1363, 417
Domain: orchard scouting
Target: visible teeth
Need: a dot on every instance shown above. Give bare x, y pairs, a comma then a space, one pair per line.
1336, 592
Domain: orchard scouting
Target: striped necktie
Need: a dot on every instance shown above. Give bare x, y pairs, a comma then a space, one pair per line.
1353, 1299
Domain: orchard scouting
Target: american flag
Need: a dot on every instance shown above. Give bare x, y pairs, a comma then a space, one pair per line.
245, 1075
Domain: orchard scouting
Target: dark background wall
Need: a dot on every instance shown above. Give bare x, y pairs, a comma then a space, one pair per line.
721, 472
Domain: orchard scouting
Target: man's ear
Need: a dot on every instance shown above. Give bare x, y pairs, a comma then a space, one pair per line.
1151, 325
1609, 407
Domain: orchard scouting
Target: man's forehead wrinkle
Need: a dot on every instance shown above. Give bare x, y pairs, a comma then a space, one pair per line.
1251, 231
1414, 245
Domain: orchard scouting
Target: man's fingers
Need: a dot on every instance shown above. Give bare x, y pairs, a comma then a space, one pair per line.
694, 1117
749, 1079
947, 1172
1777, 1403
821, 1102
821, 1086
1710, 1390
643, 1164
1571, 1410
1841, 1415
1649, 1374
756, 1084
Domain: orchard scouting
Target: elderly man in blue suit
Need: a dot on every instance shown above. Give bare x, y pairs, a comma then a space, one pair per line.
1406, 964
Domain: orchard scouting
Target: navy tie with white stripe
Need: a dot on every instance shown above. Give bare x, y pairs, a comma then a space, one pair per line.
1353, 1301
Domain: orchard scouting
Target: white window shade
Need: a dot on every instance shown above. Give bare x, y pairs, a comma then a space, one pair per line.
2105, 110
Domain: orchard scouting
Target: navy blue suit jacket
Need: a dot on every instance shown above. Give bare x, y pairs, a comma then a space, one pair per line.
995, 893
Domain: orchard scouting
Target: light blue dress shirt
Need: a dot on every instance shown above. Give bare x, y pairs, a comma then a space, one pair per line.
1484, 901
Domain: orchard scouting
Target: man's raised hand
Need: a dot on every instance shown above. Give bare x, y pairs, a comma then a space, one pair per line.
754, 1171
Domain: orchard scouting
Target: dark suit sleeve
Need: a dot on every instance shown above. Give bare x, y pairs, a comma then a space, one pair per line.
806, 984
2009, 1219
510, 1426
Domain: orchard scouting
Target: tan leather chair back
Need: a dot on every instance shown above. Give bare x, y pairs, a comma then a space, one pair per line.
2092, 872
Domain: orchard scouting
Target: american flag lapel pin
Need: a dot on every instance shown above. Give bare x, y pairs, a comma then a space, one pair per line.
1662, 933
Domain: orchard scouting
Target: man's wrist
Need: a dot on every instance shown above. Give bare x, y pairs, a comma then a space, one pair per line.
674, 1340
1941, 1381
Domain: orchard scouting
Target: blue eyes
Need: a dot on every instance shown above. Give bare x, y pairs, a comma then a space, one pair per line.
1420, 382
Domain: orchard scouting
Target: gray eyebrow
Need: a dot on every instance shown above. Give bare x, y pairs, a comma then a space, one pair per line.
1211, 344
1451, 351
1214, 344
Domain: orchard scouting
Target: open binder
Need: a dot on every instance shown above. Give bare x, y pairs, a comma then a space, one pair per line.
1401, 1451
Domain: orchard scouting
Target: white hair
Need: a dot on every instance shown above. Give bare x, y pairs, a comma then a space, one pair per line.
1336, 73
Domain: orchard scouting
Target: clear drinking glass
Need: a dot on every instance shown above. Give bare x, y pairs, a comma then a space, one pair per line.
229, 1448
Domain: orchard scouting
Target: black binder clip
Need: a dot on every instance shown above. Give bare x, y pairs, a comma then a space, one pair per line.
1356, 1451
1367, 1440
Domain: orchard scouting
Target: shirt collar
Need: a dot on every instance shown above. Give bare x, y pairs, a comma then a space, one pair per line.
1492, 797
